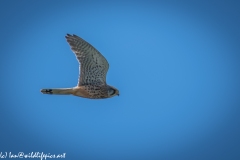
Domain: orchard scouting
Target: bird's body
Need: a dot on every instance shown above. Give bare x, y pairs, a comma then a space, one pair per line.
93, 69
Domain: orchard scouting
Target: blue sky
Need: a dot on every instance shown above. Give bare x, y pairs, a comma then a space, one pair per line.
176, 65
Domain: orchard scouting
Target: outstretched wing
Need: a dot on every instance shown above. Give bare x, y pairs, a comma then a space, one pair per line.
93, 66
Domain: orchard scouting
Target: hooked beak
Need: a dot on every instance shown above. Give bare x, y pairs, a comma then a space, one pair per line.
118, 92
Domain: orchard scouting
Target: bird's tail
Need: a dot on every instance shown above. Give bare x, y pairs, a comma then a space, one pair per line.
59, 91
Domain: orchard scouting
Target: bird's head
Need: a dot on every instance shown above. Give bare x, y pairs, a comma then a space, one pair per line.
112, 91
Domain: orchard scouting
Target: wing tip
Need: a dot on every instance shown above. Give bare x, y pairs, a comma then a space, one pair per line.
69, 35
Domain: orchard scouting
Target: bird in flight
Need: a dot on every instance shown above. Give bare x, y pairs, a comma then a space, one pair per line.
93, 69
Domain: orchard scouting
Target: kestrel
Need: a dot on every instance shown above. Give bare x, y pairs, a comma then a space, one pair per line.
93, 69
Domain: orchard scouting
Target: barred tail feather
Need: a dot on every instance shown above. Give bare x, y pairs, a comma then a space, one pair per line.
59, 91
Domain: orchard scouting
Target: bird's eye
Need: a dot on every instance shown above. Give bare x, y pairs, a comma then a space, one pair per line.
112, 92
